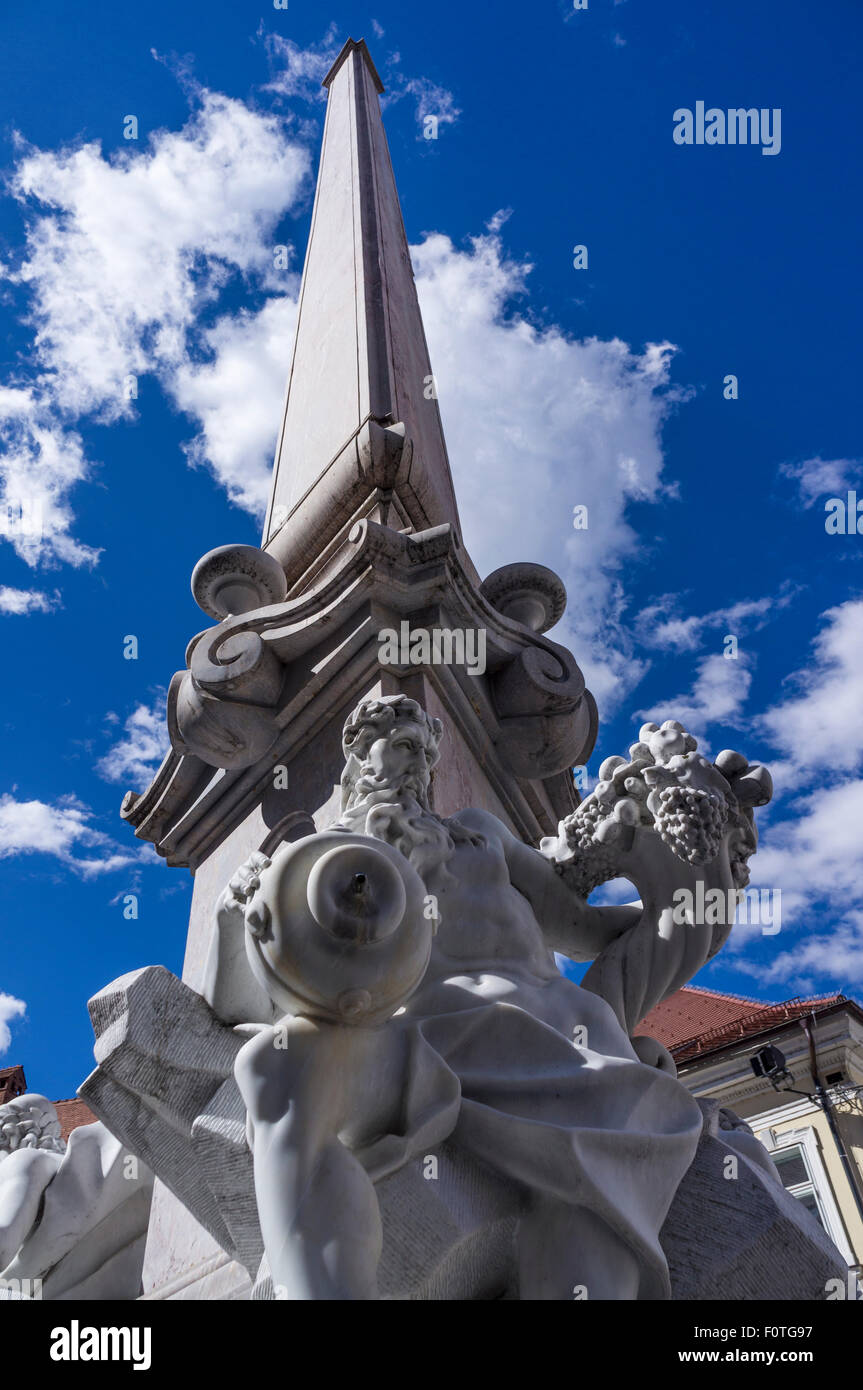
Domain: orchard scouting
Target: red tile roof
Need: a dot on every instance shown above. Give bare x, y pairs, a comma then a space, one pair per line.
694, 1021
71, 1114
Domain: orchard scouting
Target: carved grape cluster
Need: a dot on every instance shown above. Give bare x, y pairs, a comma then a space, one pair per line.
664, 785
690, 821
592, 864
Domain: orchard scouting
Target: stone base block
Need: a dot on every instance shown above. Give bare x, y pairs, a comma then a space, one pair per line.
743, 1238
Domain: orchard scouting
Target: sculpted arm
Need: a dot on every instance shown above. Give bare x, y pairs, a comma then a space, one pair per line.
682, 830
230, 988
23, 1178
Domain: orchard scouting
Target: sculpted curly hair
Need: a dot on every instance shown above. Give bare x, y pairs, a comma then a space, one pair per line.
373, 717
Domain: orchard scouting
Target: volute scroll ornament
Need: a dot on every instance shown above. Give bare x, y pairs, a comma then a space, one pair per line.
548, 718
222, 708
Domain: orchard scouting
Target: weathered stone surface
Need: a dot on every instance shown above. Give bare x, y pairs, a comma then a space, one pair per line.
743, 1238
682, 832
449, 1232
343, 1113
163, 1062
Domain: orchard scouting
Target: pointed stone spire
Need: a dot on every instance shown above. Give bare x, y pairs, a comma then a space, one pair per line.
361, 432
362, 552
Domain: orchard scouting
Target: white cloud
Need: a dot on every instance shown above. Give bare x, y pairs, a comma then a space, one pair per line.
10, 1008
431, 100
135, 243
136, 756
820, 728
121, 255
40, 463
818, 477
813, 858
302, 70
660, 624
61, 829
529, 410
813, 853
717, 696
236, 397
833, 958
21, 601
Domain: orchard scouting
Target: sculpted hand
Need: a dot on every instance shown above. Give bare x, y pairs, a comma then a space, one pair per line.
237, 901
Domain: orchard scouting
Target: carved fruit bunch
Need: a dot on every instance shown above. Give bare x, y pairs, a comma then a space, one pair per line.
29, 1122
667, 786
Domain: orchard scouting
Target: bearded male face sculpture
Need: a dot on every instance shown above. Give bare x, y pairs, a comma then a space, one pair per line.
389, 745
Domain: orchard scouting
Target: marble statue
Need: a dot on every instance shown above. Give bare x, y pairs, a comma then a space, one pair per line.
410, 960
388, 1090
73, 1217
373, 1081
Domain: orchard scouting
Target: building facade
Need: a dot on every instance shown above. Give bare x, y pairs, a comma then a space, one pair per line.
809, 1115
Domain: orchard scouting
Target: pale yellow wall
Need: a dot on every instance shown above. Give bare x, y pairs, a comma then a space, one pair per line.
842, 1194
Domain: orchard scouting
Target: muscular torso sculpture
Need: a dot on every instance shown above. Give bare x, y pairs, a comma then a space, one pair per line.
484, 1042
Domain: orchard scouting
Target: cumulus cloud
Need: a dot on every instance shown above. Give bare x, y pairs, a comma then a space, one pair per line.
832, 959
819, 727
576, 422
717, 696
122, 254
818, 477
135, 756
131, 246
19, 601
812, 853
300, 71
41, 461
10, 1008
661, 625
235, 396
815, 855
62, 830
812, 857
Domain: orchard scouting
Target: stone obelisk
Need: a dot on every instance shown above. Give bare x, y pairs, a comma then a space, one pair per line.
362, 538
360, 383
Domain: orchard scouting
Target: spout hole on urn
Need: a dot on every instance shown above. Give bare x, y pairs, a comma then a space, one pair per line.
356, 895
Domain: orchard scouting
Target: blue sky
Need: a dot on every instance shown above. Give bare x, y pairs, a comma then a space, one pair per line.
153, 259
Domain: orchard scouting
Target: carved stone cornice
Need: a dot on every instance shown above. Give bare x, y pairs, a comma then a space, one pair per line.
261, 683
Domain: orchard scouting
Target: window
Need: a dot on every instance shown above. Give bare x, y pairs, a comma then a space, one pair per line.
798, 1158
797, 1179
792, 1167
